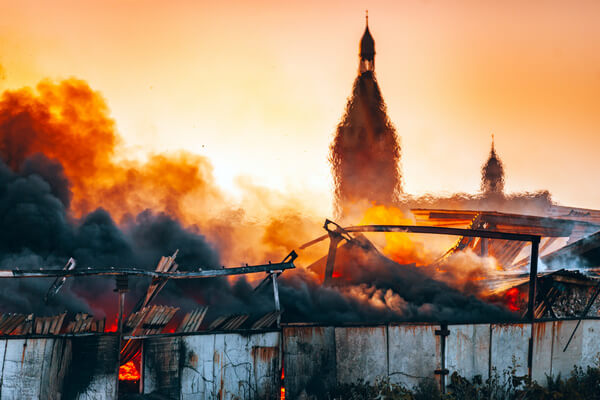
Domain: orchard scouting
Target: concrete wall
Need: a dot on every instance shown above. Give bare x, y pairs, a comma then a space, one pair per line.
45, 368
208, 366
316, 359
93, 370
310, 360
407, 353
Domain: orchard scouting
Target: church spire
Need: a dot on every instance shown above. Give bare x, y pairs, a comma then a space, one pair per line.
492, 174
367, 49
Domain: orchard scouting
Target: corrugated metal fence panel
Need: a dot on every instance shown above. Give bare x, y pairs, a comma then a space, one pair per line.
266, 365
232, 371
309, 358
93, 369
542, 350
360, 352
224, 366
247, 366
510, 346
22, 369
33, 368
3, 344
468, 350
591, 343
563, 362
584, 349
57, 357
414, 353
230, 366
200, 360
161, 366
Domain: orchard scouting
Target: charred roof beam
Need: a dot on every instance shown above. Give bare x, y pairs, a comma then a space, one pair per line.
111, 271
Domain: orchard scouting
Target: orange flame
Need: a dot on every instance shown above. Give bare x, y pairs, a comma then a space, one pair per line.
282, 396
400, 247
128, 372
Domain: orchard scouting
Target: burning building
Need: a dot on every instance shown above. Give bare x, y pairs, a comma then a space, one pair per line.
390, 296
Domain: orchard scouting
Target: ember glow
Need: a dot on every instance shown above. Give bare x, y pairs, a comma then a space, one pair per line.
113, 327
129, 372
282, 391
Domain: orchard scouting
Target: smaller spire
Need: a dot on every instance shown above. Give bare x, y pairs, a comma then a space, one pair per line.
367, 17
492, 174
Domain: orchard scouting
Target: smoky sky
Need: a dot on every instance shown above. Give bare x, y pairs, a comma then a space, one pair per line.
36, 231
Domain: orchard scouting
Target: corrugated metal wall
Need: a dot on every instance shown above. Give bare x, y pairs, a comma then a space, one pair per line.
209, 366
318, 358
58, 368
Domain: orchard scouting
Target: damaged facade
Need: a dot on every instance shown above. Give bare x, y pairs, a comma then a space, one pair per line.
247, 364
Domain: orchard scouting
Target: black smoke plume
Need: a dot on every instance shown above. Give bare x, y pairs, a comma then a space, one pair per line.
36, 231
38, 228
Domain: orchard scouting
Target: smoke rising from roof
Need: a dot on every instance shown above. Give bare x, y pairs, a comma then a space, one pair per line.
57, 169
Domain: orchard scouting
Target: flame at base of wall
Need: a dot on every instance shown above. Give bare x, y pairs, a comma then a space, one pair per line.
129, 372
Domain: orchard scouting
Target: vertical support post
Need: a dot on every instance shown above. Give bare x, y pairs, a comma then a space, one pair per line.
141, 386
276, 297
122, 288
443, 371
484, 247
121, 312
334, 240
533, 267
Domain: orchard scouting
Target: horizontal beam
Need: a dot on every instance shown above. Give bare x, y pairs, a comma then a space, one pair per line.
202, 273
438, 230
435, 230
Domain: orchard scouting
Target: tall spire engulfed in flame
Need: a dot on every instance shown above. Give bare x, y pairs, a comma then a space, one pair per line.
492, 174
365, 152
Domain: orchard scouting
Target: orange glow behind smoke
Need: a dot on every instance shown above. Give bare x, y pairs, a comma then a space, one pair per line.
464, 271
128, 372
69, 122
400, 247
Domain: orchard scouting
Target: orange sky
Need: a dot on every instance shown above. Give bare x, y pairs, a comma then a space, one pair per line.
258, 87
